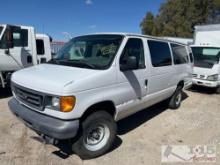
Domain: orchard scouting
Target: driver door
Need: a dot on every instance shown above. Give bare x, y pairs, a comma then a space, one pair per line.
133, 83
20, 55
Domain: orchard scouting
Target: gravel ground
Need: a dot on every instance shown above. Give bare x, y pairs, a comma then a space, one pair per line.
139, 137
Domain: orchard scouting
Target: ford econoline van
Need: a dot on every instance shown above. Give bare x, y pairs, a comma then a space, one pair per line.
96, 80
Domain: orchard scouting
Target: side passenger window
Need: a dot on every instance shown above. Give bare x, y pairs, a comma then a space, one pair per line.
160, 53
134, 47
180, 54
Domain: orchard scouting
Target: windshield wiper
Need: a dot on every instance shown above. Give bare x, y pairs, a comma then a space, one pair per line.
79, 62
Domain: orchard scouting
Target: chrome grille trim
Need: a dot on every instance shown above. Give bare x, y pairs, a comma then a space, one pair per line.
31, 98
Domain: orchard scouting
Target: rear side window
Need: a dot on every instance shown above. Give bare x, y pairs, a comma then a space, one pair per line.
180, 54
160, 53
20, 37
134, 47
40, 47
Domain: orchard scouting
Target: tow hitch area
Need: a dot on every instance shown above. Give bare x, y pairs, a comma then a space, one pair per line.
45, 139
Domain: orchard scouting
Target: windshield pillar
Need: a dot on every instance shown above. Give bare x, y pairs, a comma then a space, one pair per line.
2, 29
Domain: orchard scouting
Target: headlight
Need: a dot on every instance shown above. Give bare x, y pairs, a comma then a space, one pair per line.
213, 77
63, 103
55, 102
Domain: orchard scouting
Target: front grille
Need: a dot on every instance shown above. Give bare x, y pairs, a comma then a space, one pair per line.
202, 76
28, 97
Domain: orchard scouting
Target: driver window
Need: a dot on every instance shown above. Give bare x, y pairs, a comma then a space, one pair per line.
20, 37
134, 47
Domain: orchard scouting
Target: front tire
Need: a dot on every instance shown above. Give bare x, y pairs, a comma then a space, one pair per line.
97, 135
176, 99
218, 90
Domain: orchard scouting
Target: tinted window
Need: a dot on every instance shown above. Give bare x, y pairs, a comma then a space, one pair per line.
20, 37
180, 54
134, 47
160, 53
40, 47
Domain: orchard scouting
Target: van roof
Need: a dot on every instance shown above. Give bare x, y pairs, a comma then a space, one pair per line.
134, 35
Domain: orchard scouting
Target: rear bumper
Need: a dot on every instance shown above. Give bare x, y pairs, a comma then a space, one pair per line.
212, 84
52, 127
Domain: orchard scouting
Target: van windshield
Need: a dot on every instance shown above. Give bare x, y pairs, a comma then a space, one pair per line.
92, 51
206, 56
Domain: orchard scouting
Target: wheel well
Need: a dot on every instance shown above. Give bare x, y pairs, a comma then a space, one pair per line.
107, 106
180, 84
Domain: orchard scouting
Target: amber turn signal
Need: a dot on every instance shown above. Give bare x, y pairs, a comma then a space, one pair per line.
67, 103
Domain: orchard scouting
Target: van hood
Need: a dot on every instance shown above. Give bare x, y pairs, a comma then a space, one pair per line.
49, 78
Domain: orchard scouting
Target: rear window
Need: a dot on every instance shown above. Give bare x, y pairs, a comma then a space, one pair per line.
180, 54
160, 53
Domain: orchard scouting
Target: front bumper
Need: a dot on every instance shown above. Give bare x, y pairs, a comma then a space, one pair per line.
212, 84
49, 126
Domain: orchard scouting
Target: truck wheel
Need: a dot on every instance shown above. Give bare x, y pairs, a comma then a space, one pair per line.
97, 135
176, 99
218, 90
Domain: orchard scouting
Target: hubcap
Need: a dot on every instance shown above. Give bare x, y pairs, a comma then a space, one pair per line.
178, 99
97, 137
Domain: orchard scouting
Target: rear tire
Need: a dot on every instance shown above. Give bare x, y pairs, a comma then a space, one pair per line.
97, 135
218, 90
176, 99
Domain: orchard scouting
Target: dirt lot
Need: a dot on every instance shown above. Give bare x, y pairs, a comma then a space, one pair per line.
139, 140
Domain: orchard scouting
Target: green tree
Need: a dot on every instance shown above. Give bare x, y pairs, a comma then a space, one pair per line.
177, 18
148, 23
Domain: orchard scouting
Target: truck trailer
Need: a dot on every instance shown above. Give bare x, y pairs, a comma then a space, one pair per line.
206, 51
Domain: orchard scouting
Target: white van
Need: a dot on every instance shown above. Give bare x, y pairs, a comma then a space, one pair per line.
206, 51
96, 80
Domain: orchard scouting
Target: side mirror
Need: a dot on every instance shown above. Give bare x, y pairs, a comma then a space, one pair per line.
129, 63
9, 39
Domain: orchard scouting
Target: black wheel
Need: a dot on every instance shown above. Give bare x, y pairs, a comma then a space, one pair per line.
97, 135
218, 90
176, 99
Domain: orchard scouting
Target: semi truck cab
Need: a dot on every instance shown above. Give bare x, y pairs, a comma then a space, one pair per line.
21, 47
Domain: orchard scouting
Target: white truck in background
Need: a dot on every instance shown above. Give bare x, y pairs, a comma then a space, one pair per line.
21, 47
206, 51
